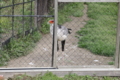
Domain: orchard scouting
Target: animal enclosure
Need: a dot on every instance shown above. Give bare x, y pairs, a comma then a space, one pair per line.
25, 39
85, 21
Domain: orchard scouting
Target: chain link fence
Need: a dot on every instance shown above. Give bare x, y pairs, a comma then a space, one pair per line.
93, 38
26, 40
22, 27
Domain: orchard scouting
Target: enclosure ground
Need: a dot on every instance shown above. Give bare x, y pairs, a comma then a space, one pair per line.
41, 55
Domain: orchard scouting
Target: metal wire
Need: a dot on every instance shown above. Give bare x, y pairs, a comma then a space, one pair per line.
16, 4
26, 15
19, 18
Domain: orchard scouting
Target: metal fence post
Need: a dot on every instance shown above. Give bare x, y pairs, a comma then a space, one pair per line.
36, 13
0, 35
23, 19
55, 34
31, 26
12, 19
117, 56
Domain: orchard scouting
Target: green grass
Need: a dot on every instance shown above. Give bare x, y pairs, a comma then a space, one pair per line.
18, 47
99, 34
111, 63
6, 22
22, 46
51, 76
64, 13
70, 9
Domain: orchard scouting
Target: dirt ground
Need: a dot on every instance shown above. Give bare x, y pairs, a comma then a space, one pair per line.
41, 55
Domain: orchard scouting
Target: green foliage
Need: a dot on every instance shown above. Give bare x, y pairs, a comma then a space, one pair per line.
70, 9
1, 30
51, 76
71, 77
45, 27
4, 57
21, 77
111, 63
47, 76
99, 9
77, 77
99, 34
4, 24
19, 47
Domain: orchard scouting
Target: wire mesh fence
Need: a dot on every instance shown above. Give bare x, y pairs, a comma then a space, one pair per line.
21, 29
93, 38
26, 39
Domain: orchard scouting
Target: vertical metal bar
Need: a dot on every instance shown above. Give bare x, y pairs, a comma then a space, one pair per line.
23, 19
119, 50
117, 55
36, 13
118, 32
13, 19
55, 34
0, 33
31, 14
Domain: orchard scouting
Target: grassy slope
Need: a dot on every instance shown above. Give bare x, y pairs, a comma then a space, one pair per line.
99, 34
